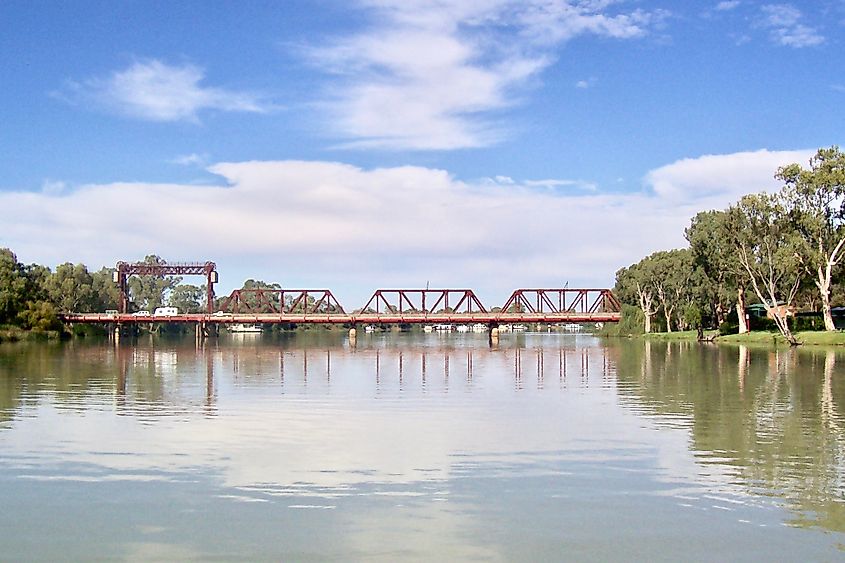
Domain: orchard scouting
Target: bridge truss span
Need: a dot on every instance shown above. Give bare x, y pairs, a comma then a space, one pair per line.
423, 301
282, 301
562, 301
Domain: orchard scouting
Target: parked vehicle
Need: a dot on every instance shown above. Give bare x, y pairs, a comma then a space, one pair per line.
166, 312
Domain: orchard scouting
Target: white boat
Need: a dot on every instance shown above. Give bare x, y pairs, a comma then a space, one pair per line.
443, 328
479, 327
572, 327
462, 328
519, 328
245, 328
370, 329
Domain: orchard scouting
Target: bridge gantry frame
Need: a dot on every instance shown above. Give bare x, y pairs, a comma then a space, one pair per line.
124, 269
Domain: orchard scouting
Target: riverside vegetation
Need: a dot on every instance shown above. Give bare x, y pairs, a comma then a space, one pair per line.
782, 250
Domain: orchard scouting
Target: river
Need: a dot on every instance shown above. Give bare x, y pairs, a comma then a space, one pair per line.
420, 447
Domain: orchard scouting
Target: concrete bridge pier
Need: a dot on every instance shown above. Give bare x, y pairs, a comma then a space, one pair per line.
353, 337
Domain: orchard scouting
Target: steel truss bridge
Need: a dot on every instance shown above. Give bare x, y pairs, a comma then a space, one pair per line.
385, 306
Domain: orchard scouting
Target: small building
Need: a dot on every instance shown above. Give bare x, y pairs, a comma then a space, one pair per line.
763, 311
838, 314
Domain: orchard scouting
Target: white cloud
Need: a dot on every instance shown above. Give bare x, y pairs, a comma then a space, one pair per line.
584, 84
53, 187
727, 5
718, 180
193, 159
557, 183
429, 73
335, 225
155, 91
784, 23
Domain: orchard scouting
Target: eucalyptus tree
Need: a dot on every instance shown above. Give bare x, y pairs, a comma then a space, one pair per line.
766, 245
71, 288
815, 196
713, 250
23, 299
634, 285
107, 293
671, 274
13, 287
187, 298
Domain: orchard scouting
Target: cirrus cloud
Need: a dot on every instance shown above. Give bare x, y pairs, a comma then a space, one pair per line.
156, 91
431, 74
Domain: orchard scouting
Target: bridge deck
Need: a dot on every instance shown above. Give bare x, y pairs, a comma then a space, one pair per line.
354, 318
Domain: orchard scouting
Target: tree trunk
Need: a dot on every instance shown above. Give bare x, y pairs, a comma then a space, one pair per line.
823, 283
668, 315
783, 326
740, 310
647, 323
720, 314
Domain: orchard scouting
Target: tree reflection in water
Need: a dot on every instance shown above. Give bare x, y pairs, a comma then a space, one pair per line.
771, 416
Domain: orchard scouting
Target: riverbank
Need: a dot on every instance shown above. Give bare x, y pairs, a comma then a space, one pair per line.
17, 334
806, 338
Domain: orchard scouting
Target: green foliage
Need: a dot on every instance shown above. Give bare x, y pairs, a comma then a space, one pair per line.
815, 198
106, 291
806, 323
40, 315
631, 323
71, 288
716, 263
692, 315
149, 292
763, 324
23, 299
13, 287
187, 298
767, 245
634, 286
728, 327
632, 320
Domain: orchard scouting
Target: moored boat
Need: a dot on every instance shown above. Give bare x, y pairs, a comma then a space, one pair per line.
245, 328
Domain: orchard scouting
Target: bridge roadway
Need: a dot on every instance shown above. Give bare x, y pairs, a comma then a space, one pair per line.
352, 319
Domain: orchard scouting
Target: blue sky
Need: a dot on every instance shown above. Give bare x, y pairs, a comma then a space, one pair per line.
385, 142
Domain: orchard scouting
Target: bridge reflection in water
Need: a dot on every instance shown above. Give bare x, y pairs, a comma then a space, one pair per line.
419, 367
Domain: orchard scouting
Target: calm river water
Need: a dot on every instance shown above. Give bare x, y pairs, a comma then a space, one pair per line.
420, 447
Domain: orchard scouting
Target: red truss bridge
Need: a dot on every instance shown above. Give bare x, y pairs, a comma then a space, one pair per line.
386, 306
389, 306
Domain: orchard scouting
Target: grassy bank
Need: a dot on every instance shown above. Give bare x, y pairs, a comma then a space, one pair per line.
672, 336
807, 338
